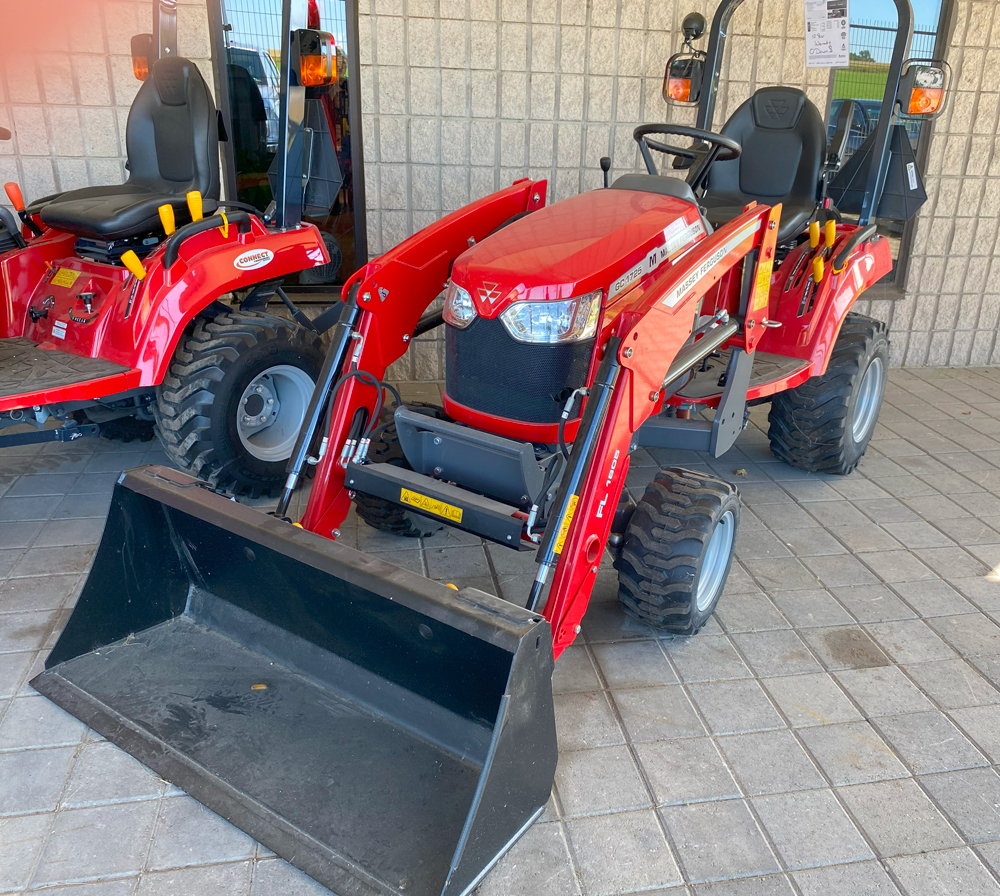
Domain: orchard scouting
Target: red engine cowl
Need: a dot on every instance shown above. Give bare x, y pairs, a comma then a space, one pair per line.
605, 240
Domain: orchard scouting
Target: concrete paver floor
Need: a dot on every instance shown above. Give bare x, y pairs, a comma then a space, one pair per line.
833, 731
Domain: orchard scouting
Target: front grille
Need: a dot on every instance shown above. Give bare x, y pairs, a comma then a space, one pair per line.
488, 371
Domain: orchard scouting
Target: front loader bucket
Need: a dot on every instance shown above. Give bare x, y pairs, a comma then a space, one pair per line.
384, 733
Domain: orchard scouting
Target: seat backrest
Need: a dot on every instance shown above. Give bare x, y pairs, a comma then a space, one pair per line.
783, 140
172, 136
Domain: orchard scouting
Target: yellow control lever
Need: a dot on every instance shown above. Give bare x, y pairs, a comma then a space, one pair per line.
167, 218
813, 234
830, 233
131, 261
817, 269
195, 205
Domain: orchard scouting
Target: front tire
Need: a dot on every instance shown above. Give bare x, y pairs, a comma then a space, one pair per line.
825, 425
678, 550
231, 405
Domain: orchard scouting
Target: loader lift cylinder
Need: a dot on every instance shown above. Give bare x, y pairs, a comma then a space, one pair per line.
581, 457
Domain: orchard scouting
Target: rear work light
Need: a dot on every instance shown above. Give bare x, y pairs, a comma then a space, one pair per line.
458, 308
554, 322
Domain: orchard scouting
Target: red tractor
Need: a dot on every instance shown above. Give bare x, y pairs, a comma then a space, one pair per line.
390, 734
113, 316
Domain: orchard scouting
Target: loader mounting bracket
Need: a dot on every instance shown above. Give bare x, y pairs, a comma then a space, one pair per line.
715, 436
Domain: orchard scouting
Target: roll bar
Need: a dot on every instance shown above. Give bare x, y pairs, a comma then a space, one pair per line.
900, 48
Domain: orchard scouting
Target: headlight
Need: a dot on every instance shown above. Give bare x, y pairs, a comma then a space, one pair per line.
458, 308
551, 322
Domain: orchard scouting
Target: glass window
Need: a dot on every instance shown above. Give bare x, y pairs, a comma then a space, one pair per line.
873, 31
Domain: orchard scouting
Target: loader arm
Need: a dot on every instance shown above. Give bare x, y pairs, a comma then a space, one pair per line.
648, 337
393, 291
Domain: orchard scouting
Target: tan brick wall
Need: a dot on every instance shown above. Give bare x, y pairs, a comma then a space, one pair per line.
462, 96
67, 107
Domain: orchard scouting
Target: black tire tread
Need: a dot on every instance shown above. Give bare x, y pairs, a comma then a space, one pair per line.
199, 364
666, 536
808, 424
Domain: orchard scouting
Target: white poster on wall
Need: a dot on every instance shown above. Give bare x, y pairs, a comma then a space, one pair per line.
828, 34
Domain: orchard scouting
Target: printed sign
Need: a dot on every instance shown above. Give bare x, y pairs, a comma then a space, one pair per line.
430, 505
64, 277
828, 34
255, 258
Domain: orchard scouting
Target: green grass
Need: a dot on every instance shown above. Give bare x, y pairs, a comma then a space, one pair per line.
860, 82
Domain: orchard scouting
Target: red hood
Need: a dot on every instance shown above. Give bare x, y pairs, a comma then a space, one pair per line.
588, 242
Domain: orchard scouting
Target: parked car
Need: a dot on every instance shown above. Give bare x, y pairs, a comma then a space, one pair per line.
265, 75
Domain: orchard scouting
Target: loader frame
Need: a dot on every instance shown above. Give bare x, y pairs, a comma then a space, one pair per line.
643, 363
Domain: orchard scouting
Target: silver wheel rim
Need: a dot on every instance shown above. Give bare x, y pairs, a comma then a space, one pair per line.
716, 562
866, 407
270, 411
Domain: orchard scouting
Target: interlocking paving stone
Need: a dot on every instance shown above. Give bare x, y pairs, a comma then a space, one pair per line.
585, 720
779, 652
953, 684
652, 714
706, 658
786, 768
634, 664
21, 840
772, 885
621, 853
686, 771
852, 752
31, 780
96, 842
982, 724
600, 780
232, 878
878, 806
734, 707
883, 691
858, 879
102, 773
810, 828
880, 577
808, 700
704, 855
929, 742
934, 873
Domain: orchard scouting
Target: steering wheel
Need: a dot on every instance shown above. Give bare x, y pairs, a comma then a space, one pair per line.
719, 148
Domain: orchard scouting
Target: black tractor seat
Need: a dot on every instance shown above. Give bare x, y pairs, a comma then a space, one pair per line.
784, 144
172, 141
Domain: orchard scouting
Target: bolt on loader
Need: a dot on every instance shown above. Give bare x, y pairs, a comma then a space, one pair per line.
387, 733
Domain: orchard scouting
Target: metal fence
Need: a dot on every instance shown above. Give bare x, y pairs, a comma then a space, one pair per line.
864, 81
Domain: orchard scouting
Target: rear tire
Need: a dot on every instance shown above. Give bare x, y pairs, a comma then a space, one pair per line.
222, 370
825, 425
678, 550
384, 515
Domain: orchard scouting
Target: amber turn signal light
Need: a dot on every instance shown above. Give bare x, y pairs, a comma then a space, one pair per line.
925, 100
317, 58
679, 89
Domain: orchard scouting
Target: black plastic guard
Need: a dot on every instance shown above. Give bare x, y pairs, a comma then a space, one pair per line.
384, 733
